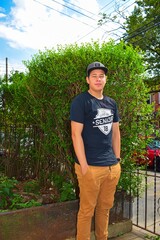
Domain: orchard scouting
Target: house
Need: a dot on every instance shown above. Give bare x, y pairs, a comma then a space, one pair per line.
155, 98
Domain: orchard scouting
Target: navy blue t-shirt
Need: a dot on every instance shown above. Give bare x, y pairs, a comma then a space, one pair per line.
97, 117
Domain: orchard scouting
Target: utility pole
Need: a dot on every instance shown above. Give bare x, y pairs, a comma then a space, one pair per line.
6, 70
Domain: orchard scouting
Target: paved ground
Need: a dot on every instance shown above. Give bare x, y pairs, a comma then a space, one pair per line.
136, 234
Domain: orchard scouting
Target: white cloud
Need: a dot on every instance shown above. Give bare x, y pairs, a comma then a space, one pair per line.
32, 25
2, 15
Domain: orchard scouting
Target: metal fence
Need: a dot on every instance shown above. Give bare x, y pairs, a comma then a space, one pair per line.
18, 158
146, 207
17, 150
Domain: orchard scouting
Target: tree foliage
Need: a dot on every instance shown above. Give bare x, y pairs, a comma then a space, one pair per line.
41, 99
142, 30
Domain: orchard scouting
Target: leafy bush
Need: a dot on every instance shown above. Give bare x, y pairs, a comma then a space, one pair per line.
67, 192
32, 187
6, 192
66, 189
9, 200
41, 98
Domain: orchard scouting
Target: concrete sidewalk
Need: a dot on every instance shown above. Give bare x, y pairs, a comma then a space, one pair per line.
135, 234
125, 231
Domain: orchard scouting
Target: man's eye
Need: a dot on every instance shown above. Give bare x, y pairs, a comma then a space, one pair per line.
95, 76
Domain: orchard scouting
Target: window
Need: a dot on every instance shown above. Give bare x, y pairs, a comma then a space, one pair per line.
158, 97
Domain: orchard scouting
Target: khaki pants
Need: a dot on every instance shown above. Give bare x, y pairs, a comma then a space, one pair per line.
97, 189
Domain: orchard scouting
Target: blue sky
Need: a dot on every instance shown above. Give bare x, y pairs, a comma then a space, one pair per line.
27, 26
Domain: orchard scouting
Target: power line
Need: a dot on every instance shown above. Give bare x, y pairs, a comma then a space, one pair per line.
94, 29
89, 11
106, 5
79, 7
113, 30
119, 12
63, 13
117, 23
142, 29
116, 4
87, 34
129, 5
98, 26
73, 9
139, 33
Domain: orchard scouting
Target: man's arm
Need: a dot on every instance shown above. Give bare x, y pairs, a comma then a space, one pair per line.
78, 144
116, 139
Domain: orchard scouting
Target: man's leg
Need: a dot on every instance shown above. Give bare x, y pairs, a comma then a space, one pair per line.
105, 201
88, 197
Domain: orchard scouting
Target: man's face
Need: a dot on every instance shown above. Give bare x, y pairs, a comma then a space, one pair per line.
96, 80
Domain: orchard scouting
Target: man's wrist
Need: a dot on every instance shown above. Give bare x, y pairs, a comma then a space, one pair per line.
118, 159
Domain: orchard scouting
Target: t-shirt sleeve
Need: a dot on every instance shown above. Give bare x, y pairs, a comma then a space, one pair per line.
77, 110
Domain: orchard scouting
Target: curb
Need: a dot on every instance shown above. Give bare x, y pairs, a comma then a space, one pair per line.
118, 229
115, 229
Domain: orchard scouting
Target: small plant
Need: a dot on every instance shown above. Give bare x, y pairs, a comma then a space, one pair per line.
6, 191
130, 181
31, 203
9, 199
32, 187
57, 180
147, 237
67, 192
65, 189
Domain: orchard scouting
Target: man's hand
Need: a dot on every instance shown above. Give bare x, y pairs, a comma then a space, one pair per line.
84, 169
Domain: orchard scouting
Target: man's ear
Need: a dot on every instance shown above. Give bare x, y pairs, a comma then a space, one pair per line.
87, 80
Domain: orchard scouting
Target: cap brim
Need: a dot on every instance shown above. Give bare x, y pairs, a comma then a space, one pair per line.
103, 68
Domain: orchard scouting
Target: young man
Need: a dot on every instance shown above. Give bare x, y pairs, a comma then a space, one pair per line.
96, 141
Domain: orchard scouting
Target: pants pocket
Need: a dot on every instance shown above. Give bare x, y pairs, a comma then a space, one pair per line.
87, 176
115, 172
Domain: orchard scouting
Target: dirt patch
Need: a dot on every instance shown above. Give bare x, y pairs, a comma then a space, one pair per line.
30, 190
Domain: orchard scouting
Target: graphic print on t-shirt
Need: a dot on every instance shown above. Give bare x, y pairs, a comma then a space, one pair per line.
103, 120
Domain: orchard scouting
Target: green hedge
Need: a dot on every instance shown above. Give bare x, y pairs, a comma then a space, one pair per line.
42, 97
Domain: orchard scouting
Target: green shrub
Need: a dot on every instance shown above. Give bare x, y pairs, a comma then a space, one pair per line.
6, 191
41, 98
9, 199
32, 186
66, 189
67, 192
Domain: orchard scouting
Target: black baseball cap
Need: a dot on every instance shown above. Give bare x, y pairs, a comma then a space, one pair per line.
96, 65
